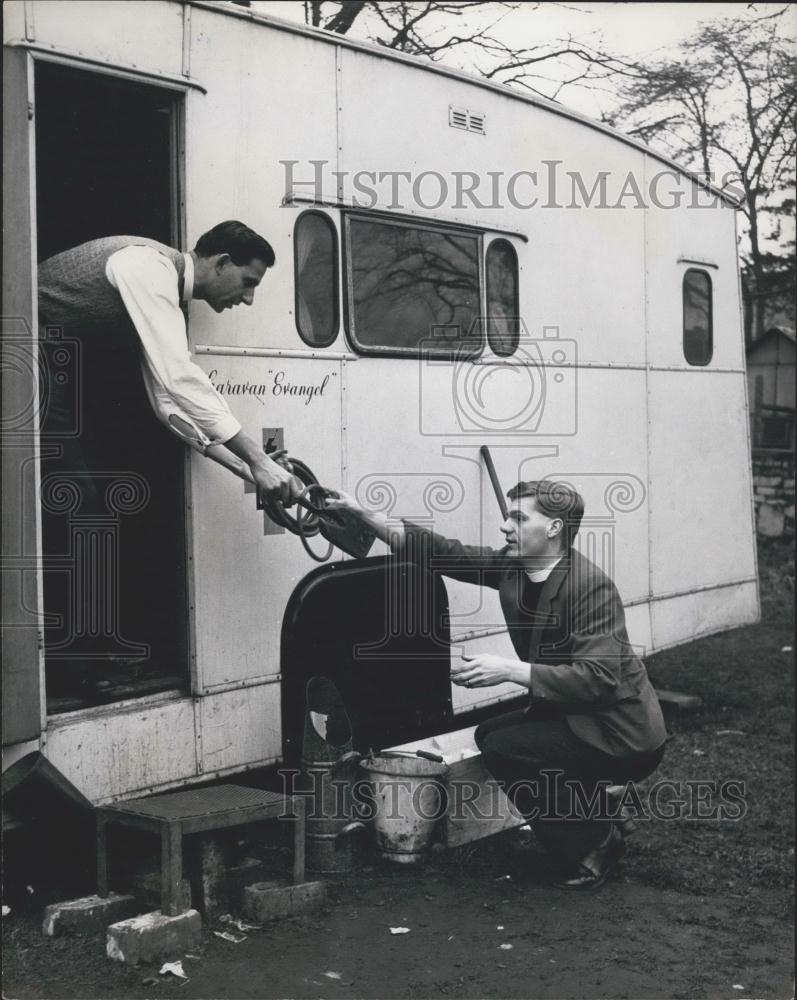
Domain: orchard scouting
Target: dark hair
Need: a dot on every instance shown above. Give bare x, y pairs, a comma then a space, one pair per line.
554, 500
239, 241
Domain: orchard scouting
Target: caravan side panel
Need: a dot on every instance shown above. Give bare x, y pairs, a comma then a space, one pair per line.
702, 534
244, 570
147, 36
113, 755
270, 98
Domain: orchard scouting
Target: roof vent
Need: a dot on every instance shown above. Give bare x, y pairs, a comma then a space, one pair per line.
470, 121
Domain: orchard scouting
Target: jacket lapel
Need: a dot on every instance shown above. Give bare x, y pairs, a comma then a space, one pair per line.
545, 617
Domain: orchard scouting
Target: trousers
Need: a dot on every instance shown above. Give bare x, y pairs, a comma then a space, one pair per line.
557, 781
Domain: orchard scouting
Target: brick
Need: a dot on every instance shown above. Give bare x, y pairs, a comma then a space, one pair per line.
268, 900
87, 915
153, 937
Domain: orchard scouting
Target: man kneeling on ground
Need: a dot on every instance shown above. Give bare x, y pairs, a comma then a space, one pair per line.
592, 718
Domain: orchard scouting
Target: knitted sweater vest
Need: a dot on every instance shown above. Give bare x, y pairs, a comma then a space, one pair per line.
74, 291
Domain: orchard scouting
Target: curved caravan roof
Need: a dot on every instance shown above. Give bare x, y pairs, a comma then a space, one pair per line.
545, 103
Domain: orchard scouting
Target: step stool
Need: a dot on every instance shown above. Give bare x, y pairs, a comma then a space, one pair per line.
199, 810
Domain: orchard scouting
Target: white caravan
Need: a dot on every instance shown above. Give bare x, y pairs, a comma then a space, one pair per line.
458, 265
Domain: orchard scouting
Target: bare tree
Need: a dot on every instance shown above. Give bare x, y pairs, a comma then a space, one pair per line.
725, 106
471, 31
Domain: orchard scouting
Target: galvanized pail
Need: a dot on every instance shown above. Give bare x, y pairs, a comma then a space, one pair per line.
408, 801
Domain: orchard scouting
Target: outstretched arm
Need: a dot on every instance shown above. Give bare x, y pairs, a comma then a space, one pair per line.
476, 564
146, 282
391, 533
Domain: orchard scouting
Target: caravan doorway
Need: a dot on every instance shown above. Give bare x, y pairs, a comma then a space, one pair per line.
113, 493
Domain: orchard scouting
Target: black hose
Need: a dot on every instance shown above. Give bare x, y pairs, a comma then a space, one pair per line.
304, 515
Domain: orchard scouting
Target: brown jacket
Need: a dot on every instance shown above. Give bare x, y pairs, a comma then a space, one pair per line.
576, 641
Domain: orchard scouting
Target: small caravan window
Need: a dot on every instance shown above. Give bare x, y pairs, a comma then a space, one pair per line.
503, 328
412, 288
316, 266
698, 317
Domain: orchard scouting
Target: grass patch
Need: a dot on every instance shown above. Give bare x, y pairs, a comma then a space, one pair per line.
744, 733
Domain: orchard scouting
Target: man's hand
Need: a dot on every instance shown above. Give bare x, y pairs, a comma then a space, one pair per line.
486, 670
280, 456
275, 480
338, 500
272, 477
392, 534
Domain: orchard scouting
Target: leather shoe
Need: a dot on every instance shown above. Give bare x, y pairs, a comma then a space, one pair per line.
593, 869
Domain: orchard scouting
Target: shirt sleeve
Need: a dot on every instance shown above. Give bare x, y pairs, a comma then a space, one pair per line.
147, 282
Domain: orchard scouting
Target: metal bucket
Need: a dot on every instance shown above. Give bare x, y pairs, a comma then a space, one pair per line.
408, 801
329, 771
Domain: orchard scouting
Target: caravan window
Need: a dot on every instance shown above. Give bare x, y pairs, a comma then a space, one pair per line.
412, 288
316, 279
698, 317
503, 328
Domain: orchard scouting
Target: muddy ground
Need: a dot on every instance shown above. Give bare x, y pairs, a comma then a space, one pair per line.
701, 907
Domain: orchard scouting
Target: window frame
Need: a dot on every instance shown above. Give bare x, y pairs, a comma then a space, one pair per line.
707, 276
403, 222
506, 243
335, 277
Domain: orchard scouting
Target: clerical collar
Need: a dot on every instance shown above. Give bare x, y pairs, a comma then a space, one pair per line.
188, 278
540, 575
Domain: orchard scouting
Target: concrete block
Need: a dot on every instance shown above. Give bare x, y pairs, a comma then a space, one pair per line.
268, 900
87, 915
153, 937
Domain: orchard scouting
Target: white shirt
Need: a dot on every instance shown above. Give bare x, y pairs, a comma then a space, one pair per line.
538, 575
180, 392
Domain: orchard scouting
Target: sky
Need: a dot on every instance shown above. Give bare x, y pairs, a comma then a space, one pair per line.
627, 29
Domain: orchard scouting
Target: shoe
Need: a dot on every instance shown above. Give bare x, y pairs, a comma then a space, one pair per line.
593, 870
